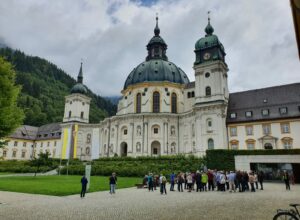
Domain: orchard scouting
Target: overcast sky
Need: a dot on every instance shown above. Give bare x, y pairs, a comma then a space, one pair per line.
111, 36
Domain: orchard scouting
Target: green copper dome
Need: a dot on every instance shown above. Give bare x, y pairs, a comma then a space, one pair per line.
79, 87
210, 40
156, 68
209, 48
207, 42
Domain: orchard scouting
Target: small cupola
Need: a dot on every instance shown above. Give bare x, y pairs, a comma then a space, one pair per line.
79, 87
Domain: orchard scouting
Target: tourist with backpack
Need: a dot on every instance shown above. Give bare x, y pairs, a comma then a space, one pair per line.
163, 182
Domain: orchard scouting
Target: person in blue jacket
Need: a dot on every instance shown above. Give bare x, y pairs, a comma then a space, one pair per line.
84, 183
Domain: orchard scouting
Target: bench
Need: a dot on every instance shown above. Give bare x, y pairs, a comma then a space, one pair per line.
139, 186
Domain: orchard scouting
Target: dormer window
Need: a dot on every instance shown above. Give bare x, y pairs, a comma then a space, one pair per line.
248, 114
233, 115
283, 110
265, 112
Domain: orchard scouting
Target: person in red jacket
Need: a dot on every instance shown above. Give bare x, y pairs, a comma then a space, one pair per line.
210, 176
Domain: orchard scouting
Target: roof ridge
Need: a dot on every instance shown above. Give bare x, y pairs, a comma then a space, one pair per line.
270, 87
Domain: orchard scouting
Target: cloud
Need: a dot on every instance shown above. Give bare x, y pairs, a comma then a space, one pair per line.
111, 37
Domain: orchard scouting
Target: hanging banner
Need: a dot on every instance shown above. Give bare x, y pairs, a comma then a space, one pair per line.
67, 135
88, 169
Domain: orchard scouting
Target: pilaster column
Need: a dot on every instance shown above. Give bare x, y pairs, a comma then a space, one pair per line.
198, 131
117, 139
145, 147
132, 133
165, 139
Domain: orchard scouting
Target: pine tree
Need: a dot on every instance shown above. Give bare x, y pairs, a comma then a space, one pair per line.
11, 116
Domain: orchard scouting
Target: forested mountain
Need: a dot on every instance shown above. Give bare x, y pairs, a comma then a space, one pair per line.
113, 99
44, 87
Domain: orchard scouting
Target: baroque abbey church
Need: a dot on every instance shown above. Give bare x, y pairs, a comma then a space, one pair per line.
162, 112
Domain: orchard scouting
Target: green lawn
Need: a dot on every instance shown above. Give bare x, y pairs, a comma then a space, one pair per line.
60, 185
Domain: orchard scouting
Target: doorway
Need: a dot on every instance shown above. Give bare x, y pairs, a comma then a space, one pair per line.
123, 149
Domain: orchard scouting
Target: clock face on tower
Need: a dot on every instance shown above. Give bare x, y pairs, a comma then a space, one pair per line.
206, 56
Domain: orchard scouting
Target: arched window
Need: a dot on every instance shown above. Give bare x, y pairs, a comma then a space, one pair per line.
87, 151
81, 115
174, 103
208, 91
210, 144
70, 114
156, 102
138, 103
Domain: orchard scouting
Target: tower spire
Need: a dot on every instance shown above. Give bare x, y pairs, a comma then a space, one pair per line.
156, 29
80, 75
209, 29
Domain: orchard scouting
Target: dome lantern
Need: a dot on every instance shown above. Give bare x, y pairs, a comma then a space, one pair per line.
156, 67
157, 47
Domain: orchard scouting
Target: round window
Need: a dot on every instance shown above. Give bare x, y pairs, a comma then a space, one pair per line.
207, 75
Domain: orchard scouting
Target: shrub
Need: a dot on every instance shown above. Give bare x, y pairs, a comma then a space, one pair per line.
224, 159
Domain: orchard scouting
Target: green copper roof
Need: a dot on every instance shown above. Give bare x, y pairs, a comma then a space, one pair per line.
210, 40
157, 39
79, 87
156, 70
207, 42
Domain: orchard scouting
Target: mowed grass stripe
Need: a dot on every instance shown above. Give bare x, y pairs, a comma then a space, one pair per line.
60, 185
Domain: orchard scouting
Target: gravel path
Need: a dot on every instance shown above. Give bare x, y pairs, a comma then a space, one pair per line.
135, 203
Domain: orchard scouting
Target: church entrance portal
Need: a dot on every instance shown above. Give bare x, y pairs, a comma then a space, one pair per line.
268, 146
155, 148
123, 149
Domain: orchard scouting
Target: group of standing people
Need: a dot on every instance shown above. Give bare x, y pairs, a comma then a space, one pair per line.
207, 181
199, 181
153, 181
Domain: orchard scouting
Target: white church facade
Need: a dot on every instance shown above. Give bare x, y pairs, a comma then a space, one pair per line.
162, 113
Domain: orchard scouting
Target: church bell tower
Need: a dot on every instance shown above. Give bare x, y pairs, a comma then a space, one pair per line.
77, 104
211, 90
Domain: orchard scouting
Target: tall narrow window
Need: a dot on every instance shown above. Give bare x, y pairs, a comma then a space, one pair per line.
210, 144
156, 102
70, 114
208, 91
174, 103
81, 115
138, 103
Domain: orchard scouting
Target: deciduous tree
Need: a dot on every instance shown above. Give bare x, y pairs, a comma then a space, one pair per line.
11, 116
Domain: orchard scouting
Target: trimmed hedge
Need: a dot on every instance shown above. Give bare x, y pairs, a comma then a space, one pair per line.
224, 159
17, 166
138, 167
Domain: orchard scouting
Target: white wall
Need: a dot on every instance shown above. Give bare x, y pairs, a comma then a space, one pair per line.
77, 103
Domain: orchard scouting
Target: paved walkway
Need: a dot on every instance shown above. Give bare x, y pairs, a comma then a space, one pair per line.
135, 203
